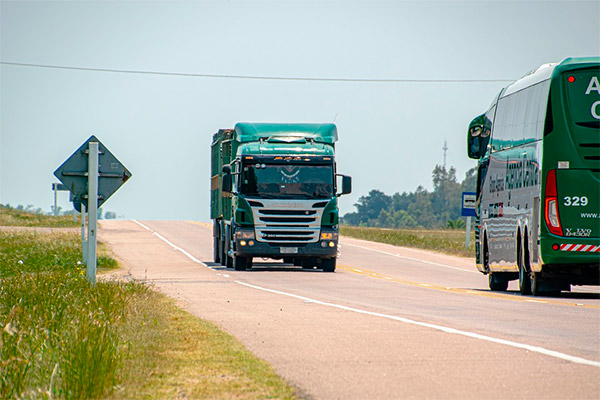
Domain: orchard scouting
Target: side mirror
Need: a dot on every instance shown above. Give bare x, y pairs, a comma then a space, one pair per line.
227, 169
478, 137
227, 185
346, 184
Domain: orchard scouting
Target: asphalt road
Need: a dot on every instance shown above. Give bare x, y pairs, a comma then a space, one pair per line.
390, 322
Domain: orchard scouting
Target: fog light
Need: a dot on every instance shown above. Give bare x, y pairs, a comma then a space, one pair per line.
323, 244
331, 244
242, 243
251, 243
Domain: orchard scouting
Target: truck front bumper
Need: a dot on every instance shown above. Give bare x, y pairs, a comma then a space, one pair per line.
301, 250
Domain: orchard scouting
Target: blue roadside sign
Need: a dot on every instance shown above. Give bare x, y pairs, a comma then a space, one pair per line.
469, 200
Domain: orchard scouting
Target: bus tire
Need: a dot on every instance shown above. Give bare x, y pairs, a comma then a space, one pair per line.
497, 282
535, 282
524, 274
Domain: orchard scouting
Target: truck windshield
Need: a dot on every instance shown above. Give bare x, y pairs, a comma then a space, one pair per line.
276, 181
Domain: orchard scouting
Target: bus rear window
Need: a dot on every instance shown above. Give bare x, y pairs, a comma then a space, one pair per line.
583, 95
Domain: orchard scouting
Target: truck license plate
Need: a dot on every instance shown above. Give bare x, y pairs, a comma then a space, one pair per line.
289, 250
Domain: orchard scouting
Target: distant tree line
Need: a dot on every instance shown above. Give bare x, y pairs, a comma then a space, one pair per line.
30, 209
418, 209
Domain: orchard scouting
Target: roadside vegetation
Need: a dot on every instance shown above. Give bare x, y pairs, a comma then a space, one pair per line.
61, 337
420, 209
28, 216
447, 241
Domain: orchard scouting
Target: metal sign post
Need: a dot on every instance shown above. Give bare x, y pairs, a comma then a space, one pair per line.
469, 203
91, 181
57, 187
83, 240
92, 209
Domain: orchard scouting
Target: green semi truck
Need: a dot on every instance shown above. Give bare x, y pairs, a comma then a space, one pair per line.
274, 194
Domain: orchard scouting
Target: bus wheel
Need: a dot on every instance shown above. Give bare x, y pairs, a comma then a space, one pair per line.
524, 277
497, 282
535, 284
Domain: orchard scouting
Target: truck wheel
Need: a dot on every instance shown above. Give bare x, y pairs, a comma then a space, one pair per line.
216, 250
223, 254
240, 263
497, 282
307, 263
328, 264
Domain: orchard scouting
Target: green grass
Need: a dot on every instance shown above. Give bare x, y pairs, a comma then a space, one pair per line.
61, 337
12, 217
447, 241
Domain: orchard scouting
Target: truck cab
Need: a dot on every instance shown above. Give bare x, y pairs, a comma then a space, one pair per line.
274, 194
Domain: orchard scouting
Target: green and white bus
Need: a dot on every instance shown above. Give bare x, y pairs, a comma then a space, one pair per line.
538, 189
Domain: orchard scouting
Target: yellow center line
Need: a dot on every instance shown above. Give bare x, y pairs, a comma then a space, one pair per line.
494, 295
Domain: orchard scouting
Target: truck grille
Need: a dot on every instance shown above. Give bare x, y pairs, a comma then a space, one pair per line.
283, 222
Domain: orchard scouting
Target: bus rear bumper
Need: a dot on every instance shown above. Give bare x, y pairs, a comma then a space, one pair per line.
573, 260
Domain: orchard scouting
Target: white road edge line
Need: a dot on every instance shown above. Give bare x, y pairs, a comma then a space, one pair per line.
412, 258
158, 235
536, 349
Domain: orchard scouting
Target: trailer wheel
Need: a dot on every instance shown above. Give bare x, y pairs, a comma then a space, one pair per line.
216, 250
328, 264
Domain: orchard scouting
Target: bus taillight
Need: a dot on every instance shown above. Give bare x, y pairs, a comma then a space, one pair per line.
551, 201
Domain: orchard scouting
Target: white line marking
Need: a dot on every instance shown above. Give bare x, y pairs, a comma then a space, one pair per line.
536, 349
158, 235
413, 259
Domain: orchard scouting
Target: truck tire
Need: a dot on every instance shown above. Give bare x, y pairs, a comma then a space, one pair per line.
240, 263
216, 250
224, 257
328, 264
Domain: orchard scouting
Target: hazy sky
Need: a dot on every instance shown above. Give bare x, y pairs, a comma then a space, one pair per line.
160, 127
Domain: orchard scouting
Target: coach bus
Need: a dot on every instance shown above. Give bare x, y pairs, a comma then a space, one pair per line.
538, 181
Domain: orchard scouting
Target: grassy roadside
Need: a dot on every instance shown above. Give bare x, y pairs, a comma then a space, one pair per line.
447, 241
61, 337
14, 217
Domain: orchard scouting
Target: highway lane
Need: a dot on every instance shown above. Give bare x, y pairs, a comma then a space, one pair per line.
391, 322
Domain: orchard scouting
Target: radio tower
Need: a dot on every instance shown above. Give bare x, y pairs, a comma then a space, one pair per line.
445, 148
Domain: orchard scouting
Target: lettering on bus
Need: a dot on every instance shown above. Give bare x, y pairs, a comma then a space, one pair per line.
496, 184
594, 85
521, 174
